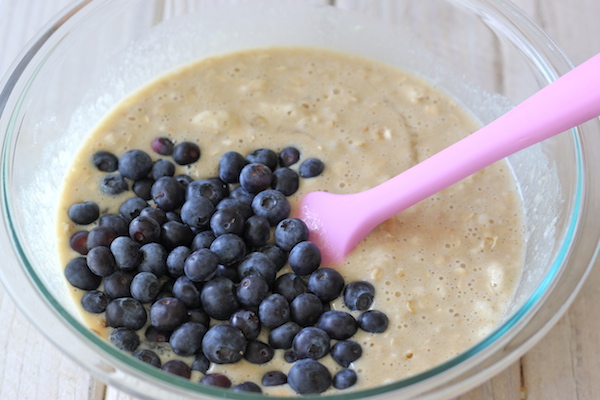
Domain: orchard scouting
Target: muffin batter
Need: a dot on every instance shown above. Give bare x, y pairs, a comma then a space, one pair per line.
444, 270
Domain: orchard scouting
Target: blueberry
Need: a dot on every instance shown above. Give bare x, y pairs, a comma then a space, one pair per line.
84, 213
162, 168
201, 265
114, 222
255, 177
135, 164
290, 286
118, 284
143, 188
344, 379
187, 339
274, 311
94, 301
149, 357
359, 295
144, 230
257, 231
155, 213
184, 180
185, 153
326, 284
244, 209
105, 161
167, 193
263, 156
162, 145
125, 339
197, 212
289, 156
229, 272
144, 287
218, 298
177, 367
290, 232
198, 315
113, 184
185, 290
216, 379
373, 321
173, 216
247, 387
229, 248
258, 352
201, 363
271, 204
100, 236
290, 357
311, 342
224, 344
132, 208
227, 220
339, 325
154, 259
203, 240
78, 242
252, 290
79, 275
309, 376
126, 312
257, 263
241, 194
306, 309
176, 260
305, 258
213, 189
246, 321
101, 261
274, 378
286, 181
174, 234
311, 167
276, 254
346, 352
126, 252
283, 336
230, 166
155, 335
168, 313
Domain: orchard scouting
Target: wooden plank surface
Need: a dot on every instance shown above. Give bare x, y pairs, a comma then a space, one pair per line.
564, 365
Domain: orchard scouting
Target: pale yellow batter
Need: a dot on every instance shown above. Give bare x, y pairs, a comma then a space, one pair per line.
444, 270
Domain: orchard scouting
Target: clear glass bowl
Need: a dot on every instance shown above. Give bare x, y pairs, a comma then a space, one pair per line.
485, 53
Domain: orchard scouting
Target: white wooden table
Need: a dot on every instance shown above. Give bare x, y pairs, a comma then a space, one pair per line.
564, 365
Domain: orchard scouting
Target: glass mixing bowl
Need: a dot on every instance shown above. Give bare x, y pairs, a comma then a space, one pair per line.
486, 54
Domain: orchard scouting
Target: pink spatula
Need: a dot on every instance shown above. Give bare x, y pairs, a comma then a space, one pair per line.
338, 222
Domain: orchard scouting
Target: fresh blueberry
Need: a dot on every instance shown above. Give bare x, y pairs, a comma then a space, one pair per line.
162, 145
125, 339
229, 272
274, 311
184, 180
143, 188
346, 352
290, 232
101, 261
78, 242
144, 287
311, 167
224, 344
263, 156
290, 357
176, 260
167, 193
216, 379
344, 379
168, 313
113, 184
271, 204
276, 254
247, 387
201, 363
241, 194
84, 213
326, 284
305, 258
176, 234
203, 240
246, 321
339, 325
257, 231
359, 295
283, 336
185, 290
245, 210
94, 301
173, 216
126, 312
309, 376
286, 181
177, 367
290, 286
201, 265
155, 213
289, 156
274, 378
257, 263
230, 166
154, 259
200, 316
227, 220
135, 164
187, 339
373, 321
132, 208
218, 298
255, 177
213, 189
118, 284
197, 212
105, 161
252, 290
144, 230
258, 352
306, 309
229, 248
126, 252
185, 153
100, 236
78, 274
149, 357
155, 335
114, 222
311, 342
162, 168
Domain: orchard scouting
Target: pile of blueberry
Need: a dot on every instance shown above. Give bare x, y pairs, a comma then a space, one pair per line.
196, 264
